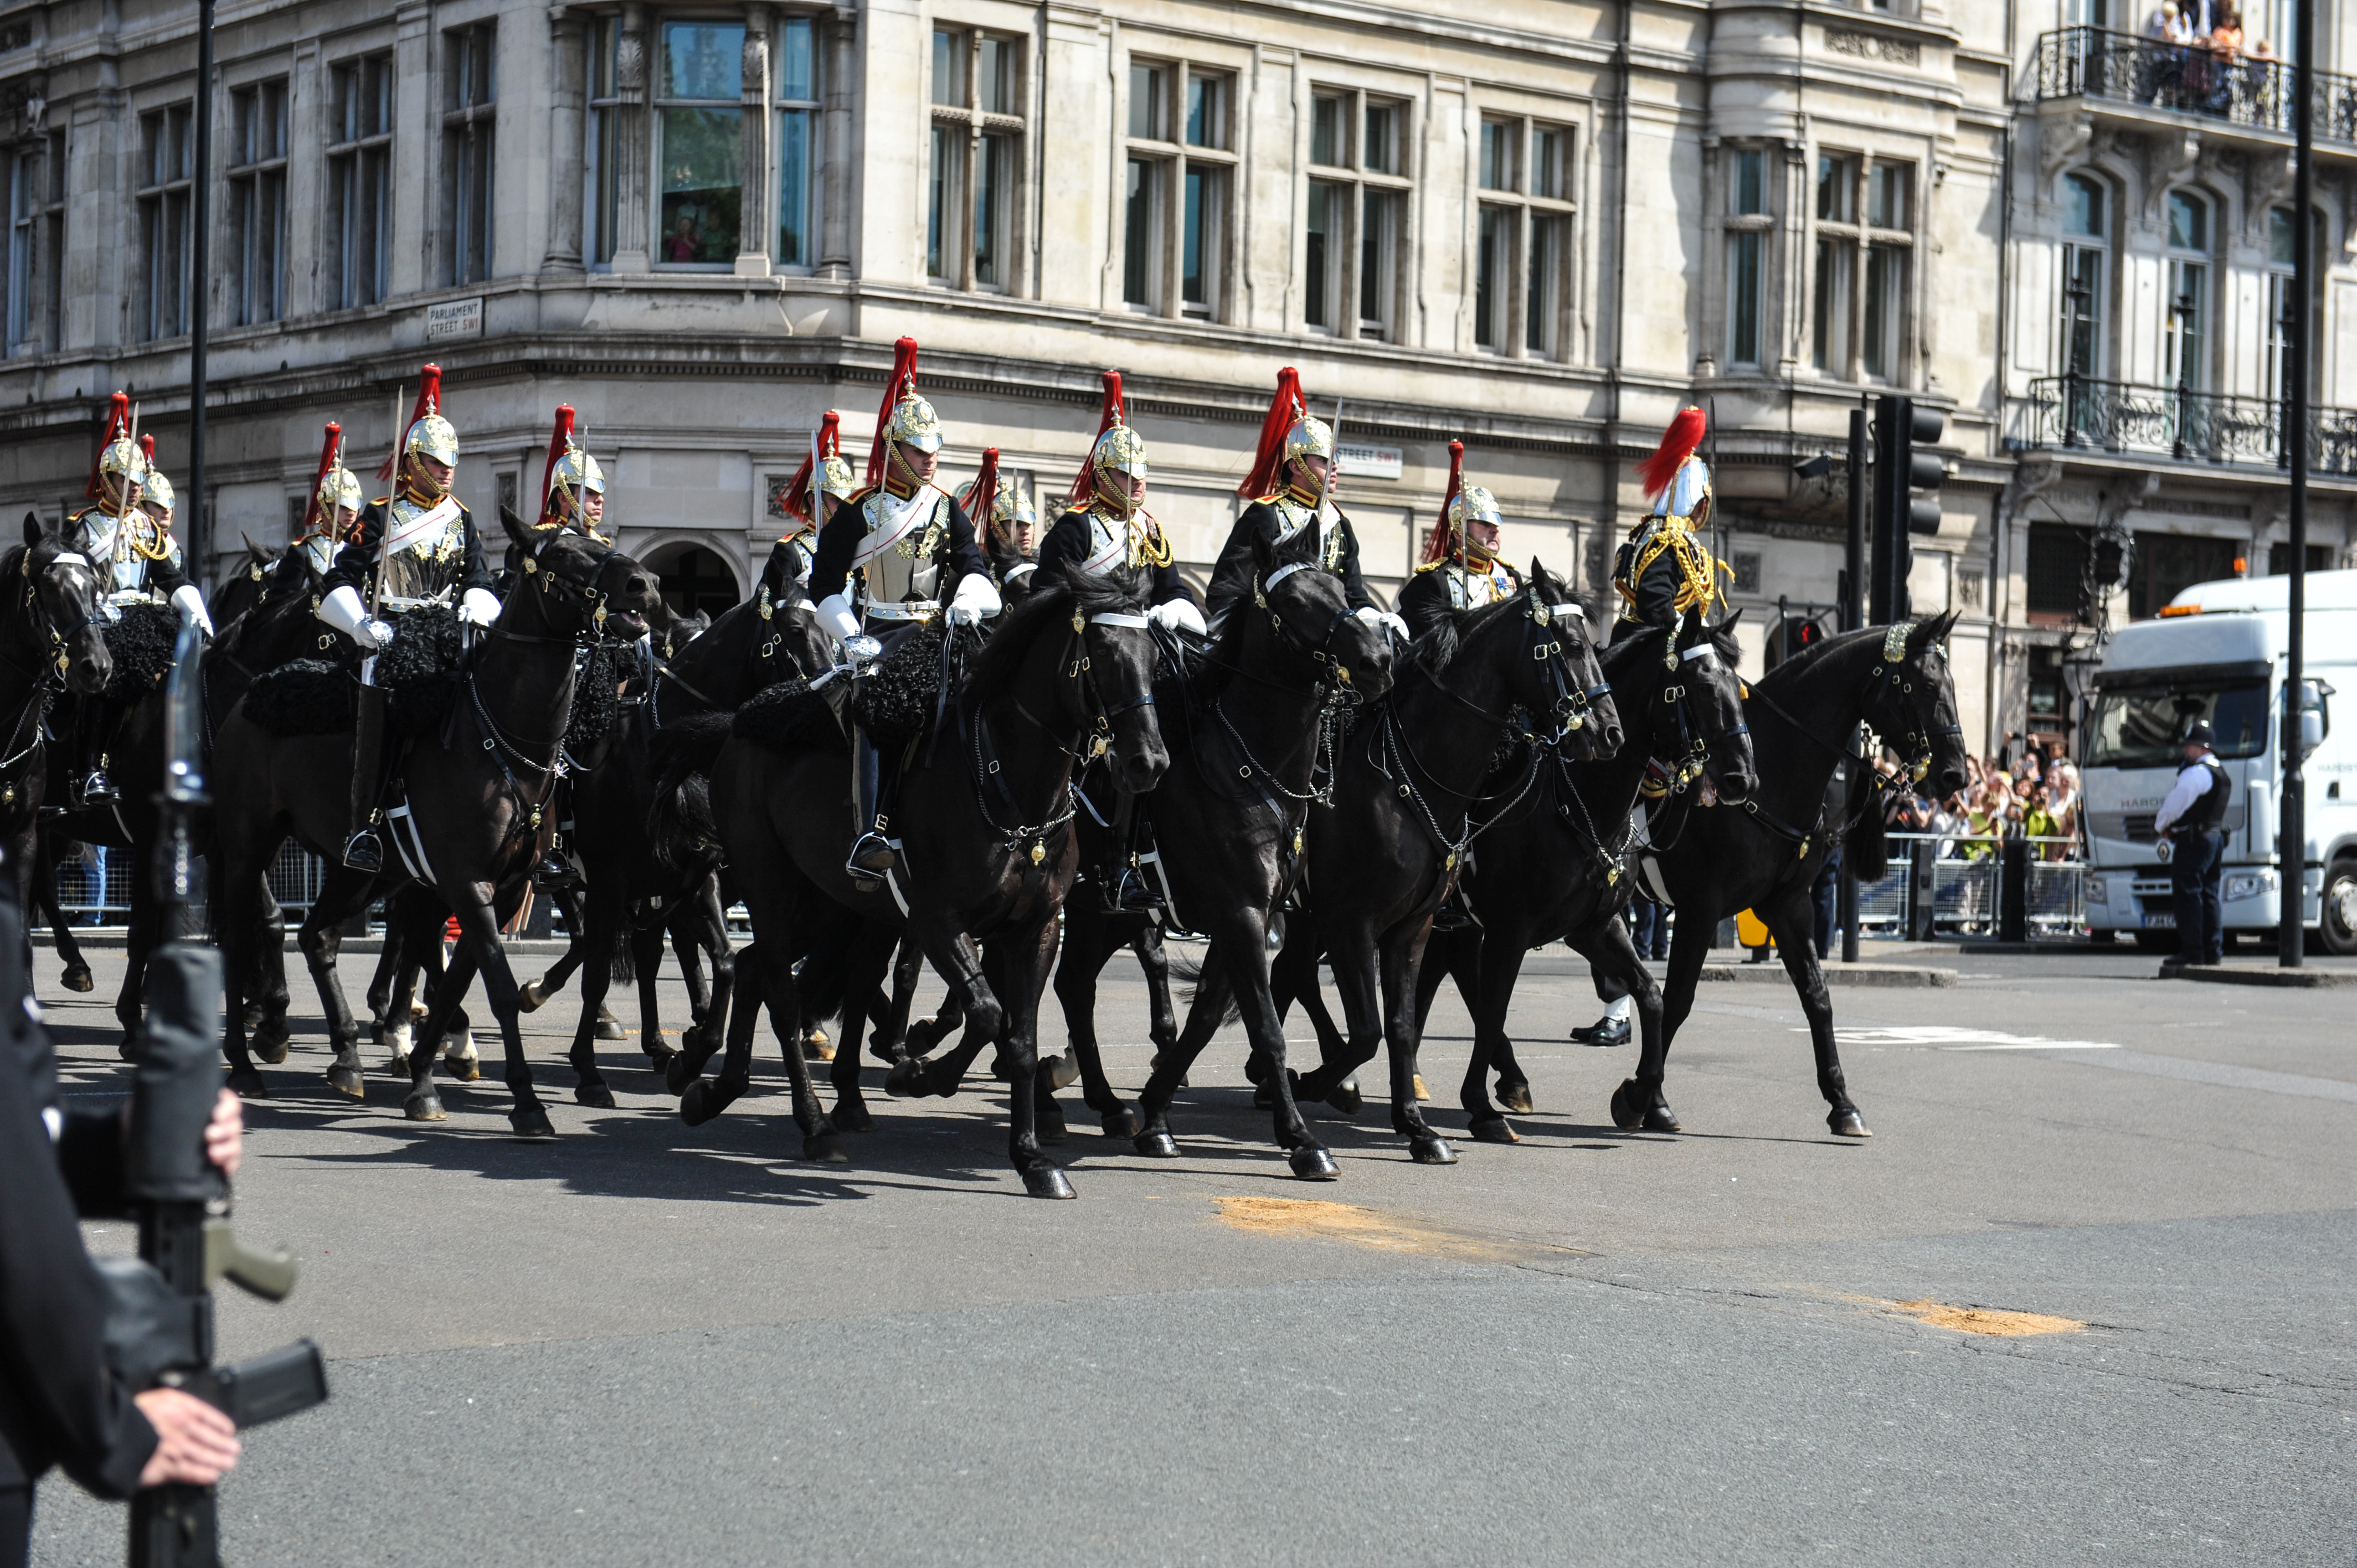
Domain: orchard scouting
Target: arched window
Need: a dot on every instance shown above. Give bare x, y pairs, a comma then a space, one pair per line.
2189, 291
2086, 273
696, 579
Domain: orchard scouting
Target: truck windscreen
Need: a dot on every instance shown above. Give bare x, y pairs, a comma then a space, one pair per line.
2144, 728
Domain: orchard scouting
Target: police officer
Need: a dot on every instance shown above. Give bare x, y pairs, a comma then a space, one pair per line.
2191, 821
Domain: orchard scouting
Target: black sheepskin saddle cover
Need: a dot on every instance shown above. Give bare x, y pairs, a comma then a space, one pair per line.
897, 701
140, 645
421, 675
789, 718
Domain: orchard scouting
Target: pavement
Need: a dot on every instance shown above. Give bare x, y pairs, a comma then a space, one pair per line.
2087, 1296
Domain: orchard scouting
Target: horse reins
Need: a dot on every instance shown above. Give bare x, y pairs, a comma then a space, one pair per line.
1077, 666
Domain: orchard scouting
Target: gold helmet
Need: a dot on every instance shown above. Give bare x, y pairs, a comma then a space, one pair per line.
1011, 506
340, 486
1120, 450
1309, 437
118, 462
913, 422
1474, 504
571, 472
430, 435
835, 478
155, 489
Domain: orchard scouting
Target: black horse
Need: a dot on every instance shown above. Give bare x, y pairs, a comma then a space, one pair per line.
1765, 855
50, 640
1249, 736
985, 814
1552, 863
1382, 860
478, 791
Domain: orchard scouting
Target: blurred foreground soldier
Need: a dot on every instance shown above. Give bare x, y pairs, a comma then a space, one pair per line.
59, 1405
1663, 568
2191, 821
1461, 570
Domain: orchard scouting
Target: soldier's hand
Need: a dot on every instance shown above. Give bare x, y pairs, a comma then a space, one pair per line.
194, 1443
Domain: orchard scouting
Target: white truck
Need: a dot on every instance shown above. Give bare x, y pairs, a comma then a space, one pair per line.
2218, 653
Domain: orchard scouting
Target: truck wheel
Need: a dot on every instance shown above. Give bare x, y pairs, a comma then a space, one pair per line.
2339, 926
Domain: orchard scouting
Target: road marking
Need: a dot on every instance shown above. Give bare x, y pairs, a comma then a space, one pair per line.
2185, 1069
1958, 1037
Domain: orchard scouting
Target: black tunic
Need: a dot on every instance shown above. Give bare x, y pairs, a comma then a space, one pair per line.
1426, 600
1232, 577
1071, 542
355, 564
954, 557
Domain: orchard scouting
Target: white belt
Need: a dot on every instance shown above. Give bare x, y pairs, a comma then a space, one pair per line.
903, 609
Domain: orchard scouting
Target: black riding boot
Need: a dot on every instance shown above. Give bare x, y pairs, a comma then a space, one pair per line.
1119, 879
871, 855
555, 874
93, 728
364, 851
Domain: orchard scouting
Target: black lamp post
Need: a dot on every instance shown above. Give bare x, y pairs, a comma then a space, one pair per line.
2291, 849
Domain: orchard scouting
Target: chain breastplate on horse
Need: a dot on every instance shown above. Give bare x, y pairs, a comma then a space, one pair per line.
425, 553
899, 570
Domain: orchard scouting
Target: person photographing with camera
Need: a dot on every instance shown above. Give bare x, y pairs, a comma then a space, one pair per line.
2190, 823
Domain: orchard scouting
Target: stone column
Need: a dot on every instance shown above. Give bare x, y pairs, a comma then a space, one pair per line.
840, 31
753, 224
630, 153
567, 96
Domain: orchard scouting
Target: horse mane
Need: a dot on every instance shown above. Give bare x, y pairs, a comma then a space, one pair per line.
1053, 602
1445, 638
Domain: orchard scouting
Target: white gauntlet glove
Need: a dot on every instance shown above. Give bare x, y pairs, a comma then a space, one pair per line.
976, 599
191, 606
835, 615
1180, 614
343, 610
1378, 620
479, 606
862, 649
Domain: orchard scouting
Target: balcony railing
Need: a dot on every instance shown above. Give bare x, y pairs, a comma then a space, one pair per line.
2185, 426
2088, 62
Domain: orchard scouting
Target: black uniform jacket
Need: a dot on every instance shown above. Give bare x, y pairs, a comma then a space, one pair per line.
57, 1406
1071, 542
1424, 601
1657, 591
355, 564
1016, 573
955, 556
166, 576
1232, 577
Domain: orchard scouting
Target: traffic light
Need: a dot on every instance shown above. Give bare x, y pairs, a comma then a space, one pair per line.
1899, 471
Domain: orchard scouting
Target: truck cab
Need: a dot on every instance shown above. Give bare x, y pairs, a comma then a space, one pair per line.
2218, 653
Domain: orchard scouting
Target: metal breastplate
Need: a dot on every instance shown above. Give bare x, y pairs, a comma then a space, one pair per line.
428, 565
905, 571
1294, 517
321, 550
1469, 590
117, 543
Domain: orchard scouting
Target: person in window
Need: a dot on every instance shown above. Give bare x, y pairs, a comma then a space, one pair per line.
1290, 488
1663, 568
1461, 570
2191, 820
685, 243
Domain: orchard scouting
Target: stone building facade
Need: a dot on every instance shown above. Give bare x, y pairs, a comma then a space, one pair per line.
1538, 226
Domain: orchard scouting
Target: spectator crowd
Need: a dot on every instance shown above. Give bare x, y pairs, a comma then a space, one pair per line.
2036, 798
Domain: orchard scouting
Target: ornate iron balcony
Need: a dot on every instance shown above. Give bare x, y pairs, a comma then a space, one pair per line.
2182, 424
2088, 62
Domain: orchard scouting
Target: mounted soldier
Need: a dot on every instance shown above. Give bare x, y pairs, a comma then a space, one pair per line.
1010, 539
413, 548
335, 507
1663, 568
571, 500
826, 473
1290, 488
127, 535
1107, 529
897, 554
1461, 570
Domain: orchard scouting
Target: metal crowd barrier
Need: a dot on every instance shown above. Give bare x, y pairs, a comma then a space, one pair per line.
1952, 884
88, 896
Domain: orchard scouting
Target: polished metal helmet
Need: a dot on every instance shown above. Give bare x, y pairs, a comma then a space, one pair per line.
914, 421
1011, 506
1120, 450
430, 435
155, 489
1474, 504
119, 462
836, 478
340, 486
1309, 437
576, 473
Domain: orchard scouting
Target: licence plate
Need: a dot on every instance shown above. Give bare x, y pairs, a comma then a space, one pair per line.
2160, 922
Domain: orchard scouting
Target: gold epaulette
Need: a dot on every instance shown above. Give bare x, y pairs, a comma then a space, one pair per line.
382, 500
1430, 565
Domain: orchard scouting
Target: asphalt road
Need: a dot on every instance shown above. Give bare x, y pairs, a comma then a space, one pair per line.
653, 1342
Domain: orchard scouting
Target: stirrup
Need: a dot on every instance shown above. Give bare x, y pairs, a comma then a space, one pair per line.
364, 850
555, 874
94, 788
1127, 893
871, 856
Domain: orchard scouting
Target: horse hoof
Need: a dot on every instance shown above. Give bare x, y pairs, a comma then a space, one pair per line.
425, 1107
1345, 1097
1121, 1123
906, 1080
1847, 1123
347, 1080
815, 1048
659, 1058
890, 1052
594, 1094
1432, 1150
78, 978
610, 1028
853, 1116
702, 1103
531, 998
468, 1068
825, 1149
1050, 1125
1516, 1097
1048, 1182
247, 1085
1661, 1119
1314, 1164
270, 1049
678, 1073
1628, 1112
1156, 1145
1063, 1071
1493, 1130
1421, 1093
532, 1126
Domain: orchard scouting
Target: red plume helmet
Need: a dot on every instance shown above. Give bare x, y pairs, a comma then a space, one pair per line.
796, 497
1268, 460
904, 381
1679, 441
118, 419
147, 448
1116, 412
557, 443
1442, 543
327, 461
978, 498
429, 401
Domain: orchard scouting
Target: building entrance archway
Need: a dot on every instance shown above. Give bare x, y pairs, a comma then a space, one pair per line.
695, 579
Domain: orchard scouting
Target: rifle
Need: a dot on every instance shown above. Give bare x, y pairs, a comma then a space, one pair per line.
159, 1328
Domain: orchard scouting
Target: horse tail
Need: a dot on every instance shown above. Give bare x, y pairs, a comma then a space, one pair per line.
621, 958
1867, 846
1189, 973
679, 819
